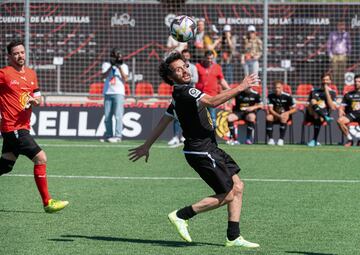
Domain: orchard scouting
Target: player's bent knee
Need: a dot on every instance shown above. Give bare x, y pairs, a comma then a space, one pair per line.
229, 197
238, 188
6, 166
269, 118
40, 158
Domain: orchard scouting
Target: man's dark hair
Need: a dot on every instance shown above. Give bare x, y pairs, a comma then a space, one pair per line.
164, 68
326, 74
208, 53
13, 44
115, 52
185, 51
357, 76
276, 82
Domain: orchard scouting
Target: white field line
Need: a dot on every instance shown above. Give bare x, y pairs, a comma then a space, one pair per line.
181, 178
247, 148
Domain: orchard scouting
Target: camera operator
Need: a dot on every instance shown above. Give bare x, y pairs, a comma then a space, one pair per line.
115, 74
226, 45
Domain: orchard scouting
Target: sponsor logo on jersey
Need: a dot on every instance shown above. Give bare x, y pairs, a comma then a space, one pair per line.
14, 82
23, 99
194, 92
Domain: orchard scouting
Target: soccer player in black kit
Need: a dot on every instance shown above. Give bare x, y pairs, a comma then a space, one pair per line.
350, 111
247, 103
213, 165
281, 106
321, 102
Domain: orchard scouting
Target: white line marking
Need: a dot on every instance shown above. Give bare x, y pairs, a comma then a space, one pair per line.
254, 148
99, 145
180, 178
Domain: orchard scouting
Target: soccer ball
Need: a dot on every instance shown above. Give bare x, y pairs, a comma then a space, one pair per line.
183, 28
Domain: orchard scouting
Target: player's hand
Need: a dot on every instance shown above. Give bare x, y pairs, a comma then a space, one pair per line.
284, 116
138, 153
32, 101
249, 109
249, 81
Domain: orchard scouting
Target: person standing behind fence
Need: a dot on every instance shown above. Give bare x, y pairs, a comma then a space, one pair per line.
212, 41
197, 47
210, 76
338, 47
115, 72
226, 53
252, 52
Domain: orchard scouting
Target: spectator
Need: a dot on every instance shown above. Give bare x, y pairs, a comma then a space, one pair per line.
115, 72
321, 102
281, 107
227, 43
350, 111
246, 105
198, 47
178, 139
212, 42
210, 76
338, 47
252, 52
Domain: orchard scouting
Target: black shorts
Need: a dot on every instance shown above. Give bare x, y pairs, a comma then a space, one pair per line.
216, 168
241, 115
310, 118
353, 116
20, 142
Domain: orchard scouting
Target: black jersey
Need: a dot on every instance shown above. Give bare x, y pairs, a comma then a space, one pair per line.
246, 99
194, 118
320, 97
281, 103
351, 101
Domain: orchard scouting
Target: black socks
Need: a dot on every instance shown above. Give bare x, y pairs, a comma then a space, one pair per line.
186, 213
233, 230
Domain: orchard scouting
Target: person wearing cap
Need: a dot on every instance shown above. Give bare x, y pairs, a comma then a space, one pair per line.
212, 42
197, 48
252, 51
227, 43
115, 73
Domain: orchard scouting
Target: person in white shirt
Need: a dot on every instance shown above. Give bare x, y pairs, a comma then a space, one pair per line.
115, 73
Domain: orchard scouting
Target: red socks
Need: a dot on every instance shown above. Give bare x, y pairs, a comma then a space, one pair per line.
41, 182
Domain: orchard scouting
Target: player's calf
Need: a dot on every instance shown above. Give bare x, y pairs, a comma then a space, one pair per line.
6, 165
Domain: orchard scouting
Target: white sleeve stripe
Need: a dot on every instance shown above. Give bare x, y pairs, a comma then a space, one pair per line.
203, 94
37, 94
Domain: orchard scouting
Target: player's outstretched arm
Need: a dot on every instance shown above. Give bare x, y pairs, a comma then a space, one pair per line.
143, 150
248, 81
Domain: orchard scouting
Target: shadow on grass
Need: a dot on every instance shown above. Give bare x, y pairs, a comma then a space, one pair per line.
70, 238
309, 253
17, 211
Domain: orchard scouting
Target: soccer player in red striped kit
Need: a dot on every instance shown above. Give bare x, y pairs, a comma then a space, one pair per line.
19, 92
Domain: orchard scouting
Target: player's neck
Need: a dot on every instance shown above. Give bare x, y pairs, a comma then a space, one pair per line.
20, 69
